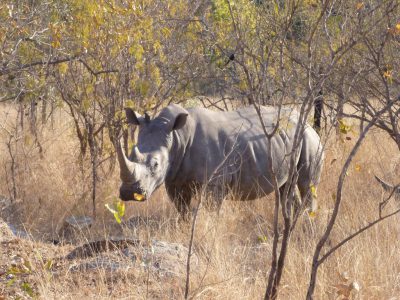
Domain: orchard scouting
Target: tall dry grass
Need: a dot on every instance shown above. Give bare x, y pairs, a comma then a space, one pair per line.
233, 247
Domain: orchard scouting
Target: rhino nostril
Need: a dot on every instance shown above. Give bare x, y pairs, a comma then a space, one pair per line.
125, 195
128, 192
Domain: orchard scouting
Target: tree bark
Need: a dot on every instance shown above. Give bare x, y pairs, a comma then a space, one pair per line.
318, 108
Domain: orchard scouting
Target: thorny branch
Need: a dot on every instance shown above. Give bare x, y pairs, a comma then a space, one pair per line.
316, 262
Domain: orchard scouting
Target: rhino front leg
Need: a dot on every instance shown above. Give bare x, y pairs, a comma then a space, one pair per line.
214, 198
181, 196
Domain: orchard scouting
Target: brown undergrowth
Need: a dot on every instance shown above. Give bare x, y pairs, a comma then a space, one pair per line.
233, 248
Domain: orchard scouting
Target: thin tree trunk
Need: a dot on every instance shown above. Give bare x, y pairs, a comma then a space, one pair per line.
93, 160
22, 113
13, 169
52, 112
318, 108
317, 261
32, 117
44, 111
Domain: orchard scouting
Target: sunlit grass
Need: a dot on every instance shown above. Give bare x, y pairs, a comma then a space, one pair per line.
233, 247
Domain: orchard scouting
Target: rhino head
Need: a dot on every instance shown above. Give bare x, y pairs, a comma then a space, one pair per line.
147, 166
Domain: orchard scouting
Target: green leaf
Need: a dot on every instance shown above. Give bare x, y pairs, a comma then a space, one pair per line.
117, 209
117, 218
276, 8
121, 208
27, 289
312, 214
11, 281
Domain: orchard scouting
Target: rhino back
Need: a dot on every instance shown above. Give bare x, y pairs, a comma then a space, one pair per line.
235, 144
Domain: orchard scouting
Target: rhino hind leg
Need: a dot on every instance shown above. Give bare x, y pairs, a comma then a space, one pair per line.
297, 204
307, 199
309, 168
309, 177
307, 186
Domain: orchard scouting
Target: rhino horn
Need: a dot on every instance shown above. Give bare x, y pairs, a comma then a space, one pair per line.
386, 186
126, 166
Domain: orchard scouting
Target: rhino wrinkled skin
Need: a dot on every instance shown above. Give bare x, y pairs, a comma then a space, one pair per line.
187, 149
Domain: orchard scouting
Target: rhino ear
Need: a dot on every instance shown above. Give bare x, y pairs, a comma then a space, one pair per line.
132, 117
180, 121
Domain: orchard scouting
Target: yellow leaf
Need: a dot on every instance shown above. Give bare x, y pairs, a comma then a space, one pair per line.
130, 103
387, 74
357, 167
343, 127
312, 214
262, 238
63, 68
56, 44
166, 32
359, 5
313, 190
156, 47
137, 51
395, 30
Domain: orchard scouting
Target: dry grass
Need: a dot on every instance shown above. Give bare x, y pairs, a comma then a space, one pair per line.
233, 248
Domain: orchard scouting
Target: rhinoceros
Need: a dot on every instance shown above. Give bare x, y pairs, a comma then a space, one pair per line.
187, 149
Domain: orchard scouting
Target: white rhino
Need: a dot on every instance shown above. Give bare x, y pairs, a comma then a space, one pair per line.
189, 148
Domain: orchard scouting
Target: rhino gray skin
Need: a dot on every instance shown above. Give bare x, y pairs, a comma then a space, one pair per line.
188, 148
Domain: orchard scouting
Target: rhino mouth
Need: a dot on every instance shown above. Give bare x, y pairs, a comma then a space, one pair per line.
132, 193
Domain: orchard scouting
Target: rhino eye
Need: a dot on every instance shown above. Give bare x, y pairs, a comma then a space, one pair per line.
154, 164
